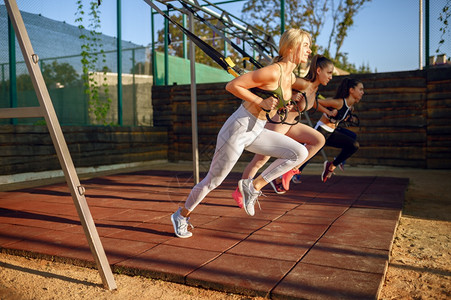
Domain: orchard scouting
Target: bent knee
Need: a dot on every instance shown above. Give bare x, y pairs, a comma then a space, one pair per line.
301, 153
321, 141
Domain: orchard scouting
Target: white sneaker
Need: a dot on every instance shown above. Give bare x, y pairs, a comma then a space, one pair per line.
250, 195
181, 225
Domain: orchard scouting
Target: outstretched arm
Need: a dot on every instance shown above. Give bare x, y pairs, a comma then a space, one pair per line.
324, 106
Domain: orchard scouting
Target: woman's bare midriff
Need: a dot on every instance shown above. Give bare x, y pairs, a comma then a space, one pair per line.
327, 122
257, 111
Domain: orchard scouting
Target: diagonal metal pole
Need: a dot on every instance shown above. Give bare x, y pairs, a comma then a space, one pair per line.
323, 153
47, 111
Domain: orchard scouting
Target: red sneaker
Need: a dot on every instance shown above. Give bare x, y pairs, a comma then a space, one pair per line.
238, 197
327, 173
286, 178
278, 187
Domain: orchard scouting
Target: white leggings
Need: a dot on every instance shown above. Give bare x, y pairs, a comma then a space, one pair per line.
243, 131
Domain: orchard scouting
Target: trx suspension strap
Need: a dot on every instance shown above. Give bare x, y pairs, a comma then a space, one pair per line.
215, 29
228, 65
248, 32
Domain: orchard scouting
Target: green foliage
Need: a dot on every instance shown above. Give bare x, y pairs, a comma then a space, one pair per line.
343, 63
91, 49
62, 73
175, 47
443, 18
310, 15
24, 83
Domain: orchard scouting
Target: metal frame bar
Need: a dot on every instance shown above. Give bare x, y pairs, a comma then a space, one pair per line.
47, 111
323, 153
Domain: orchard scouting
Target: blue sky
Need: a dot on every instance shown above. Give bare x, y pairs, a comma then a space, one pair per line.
385, 34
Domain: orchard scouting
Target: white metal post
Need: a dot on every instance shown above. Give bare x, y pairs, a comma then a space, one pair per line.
420, 38
195, 144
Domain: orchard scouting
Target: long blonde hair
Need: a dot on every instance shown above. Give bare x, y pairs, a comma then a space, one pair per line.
290, 39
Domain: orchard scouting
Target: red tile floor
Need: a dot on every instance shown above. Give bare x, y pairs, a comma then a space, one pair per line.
318, 241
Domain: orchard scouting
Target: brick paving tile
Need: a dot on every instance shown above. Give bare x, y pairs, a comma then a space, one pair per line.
167, 262
381, 203
363, 236
100, 213
278, 203
197, 220
116, 250
137, 215
390, 214
52, 243
280, 246
308, 281
241, 274
369, 221
340, 201
15, 233
144, 232
209, 208
41, 220
211, 240
244, 224
348, 257
54, 208
315, 219
310, 230
311, 209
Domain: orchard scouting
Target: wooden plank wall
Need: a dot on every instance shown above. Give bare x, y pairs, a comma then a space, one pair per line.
438, 107
26, 148
402, 117
214, 106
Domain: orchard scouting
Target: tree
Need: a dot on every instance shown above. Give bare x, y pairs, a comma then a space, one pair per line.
310, 15
204, 32
62, 73
346, 14
443, 18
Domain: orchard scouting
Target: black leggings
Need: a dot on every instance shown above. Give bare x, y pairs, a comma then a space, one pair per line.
339, 138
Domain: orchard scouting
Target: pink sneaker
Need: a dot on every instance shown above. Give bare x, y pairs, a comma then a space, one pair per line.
327, 173
238, 197
286, 178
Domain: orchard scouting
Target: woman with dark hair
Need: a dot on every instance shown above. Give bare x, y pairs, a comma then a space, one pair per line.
349, 92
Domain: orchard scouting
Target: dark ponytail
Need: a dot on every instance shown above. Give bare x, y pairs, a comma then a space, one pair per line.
318, 61
345, 85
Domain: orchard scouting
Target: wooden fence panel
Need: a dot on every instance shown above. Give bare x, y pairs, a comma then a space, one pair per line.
402, 118
26, 148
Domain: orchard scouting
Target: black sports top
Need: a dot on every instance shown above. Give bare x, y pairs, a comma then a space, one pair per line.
342, 113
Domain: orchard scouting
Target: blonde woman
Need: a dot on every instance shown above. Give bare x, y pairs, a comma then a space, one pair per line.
244, 129
320, 73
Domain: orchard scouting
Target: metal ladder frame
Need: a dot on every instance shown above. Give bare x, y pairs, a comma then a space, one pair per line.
46, 110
